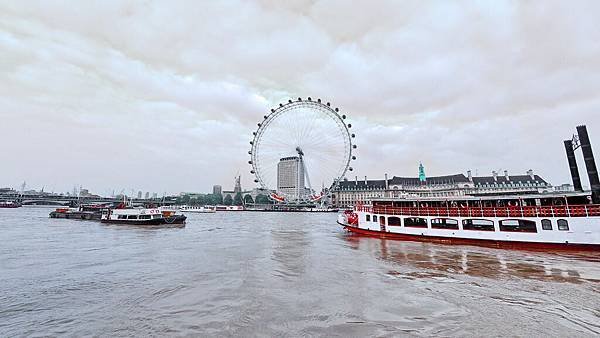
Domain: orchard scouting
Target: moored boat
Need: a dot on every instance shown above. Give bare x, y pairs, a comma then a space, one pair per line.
9, 204
230, 208
75, 213
83, 212
540, 221
142, 216
198, 209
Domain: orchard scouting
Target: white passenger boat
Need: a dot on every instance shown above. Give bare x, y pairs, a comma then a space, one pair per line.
545, 221
541, 221
230, 208
142, 216
208, 209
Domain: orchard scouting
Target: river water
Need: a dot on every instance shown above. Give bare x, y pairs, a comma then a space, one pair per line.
278, 274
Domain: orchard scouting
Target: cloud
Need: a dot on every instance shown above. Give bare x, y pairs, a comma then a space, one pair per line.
164, 96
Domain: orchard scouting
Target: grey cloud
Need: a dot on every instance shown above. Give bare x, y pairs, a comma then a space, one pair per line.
457, 85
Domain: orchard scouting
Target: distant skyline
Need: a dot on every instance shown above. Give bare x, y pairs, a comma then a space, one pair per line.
164, 96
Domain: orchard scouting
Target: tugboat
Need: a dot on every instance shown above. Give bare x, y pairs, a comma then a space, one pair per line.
10, 204
83, 212
142, 216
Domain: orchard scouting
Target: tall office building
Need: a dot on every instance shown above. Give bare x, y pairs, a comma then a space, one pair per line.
290, 176
217, 190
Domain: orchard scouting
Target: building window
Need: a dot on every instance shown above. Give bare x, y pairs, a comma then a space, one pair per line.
415, 222
563, 225
444, 223
518, 225
368, 219
374, 218
546, 224
478, 224
394, 221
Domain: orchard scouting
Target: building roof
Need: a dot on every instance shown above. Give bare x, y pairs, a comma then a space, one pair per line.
361, 184
482, 180
436, 180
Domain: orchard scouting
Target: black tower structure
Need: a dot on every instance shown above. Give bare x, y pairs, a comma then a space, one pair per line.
590, 163
569, 147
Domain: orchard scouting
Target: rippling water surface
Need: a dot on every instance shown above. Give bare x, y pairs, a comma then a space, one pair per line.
277, 274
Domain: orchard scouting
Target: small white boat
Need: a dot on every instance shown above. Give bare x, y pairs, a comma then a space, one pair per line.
198, 209
141, 216
230, 208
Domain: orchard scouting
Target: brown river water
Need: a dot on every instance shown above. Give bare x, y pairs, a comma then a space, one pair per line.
277, 274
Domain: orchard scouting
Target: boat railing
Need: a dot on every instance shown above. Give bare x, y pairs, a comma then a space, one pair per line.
509, 211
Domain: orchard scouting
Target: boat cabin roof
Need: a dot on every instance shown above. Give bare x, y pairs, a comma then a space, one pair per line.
563, 195
136, 211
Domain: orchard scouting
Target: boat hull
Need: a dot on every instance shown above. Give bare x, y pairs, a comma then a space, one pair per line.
534, 246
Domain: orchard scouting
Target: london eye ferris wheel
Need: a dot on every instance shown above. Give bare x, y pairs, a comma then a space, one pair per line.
301, 151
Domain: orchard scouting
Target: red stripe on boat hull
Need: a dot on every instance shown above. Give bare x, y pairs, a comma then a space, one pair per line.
536, 246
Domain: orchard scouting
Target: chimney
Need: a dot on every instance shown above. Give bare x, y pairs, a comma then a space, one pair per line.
495, 175
590, 163
365, 180
573, 165
506, 175
387, 185
530, 173
470, 176
356, 180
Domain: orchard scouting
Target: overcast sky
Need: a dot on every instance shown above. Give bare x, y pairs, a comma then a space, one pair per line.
164, 96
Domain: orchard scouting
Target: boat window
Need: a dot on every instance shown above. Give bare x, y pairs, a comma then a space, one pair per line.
145, 216
444, 223
132, 217
518, 225
368, 218
478, 224
122, 217
375, 218
394, 221
563, 225
546, 224
157, 216
415, 222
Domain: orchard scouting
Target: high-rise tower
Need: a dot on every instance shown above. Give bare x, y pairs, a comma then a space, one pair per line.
290, 176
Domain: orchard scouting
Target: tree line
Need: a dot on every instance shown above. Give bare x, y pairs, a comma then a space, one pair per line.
218, 199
